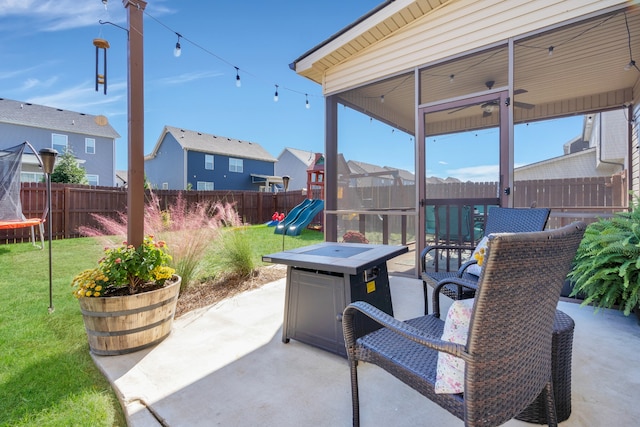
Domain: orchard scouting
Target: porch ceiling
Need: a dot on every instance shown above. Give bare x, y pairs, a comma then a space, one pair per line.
585, 73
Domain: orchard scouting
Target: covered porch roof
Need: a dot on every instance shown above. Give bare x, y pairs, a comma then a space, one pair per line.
569, 58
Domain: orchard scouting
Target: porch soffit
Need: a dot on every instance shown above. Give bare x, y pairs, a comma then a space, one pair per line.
585, 73
363, 33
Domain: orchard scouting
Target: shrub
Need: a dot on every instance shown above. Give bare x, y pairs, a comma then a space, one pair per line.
236, 253
354, 237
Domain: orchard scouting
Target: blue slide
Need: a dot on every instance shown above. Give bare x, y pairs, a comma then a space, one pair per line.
291, 216
295, 227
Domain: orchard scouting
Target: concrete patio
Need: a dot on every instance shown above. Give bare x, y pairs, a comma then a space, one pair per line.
226, 365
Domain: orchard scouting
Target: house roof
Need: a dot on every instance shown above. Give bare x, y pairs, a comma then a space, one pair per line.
40, 116
304, 156
213, 144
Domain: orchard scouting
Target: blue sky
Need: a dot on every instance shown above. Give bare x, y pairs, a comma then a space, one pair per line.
47, 57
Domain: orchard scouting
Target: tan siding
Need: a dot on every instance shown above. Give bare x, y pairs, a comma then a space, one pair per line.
454, 29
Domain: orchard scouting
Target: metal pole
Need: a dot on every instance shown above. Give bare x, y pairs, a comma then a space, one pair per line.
285, 184
49, 236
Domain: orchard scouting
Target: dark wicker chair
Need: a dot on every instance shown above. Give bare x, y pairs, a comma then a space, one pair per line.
509, 348
499, 220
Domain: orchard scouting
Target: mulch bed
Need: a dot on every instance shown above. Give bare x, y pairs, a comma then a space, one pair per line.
214, 291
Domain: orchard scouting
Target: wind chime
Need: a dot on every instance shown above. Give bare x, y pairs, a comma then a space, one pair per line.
101, 79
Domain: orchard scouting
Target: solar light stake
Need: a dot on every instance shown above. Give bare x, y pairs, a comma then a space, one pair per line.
48, 156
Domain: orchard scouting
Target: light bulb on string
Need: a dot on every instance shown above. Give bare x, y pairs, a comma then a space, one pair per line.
451, 77
238, 82
275, 96
178, 50
382, 99
551, 50
307, 106
630, 65
104, 2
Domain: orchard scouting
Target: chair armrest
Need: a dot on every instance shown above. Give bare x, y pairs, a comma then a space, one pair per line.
449, 281
466, 265
394, 325
428, 249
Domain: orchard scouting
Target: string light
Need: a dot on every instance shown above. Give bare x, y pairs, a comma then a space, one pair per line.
451, 77
632, 63
382, 99
551, 50
202, 48
178, 50
104, 2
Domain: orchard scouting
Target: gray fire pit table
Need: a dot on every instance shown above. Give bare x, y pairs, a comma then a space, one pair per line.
323, 279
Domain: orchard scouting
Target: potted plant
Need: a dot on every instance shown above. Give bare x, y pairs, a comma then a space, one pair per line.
607, 264
129, 300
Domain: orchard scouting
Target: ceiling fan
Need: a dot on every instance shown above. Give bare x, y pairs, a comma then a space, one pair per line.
489, 107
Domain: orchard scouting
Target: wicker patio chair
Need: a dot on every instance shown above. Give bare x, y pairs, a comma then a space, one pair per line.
499, 220
509, 346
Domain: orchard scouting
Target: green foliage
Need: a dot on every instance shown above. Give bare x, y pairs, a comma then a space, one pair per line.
68, 171
607, 264
237, 254
125, 266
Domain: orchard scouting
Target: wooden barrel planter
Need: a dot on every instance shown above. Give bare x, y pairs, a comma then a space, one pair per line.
124, 324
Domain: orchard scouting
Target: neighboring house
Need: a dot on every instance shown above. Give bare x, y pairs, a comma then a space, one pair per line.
185, 159
368, 175
294, 163
91, 139
601, 150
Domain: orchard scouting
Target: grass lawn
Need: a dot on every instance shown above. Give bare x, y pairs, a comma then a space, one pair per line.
47, 376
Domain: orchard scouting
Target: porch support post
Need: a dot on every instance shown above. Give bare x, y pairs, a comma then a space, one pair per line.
506, 140
135, 103
331, 168
421, 173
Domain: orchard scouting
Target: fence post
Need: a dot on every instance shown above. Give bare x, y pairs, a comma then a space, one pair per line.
66, 202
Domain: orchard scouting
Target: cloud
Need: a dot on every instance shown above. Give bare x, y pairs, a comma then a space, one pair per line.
84, 98
187, 77
60, 15
442, 162
32, 83
482, 173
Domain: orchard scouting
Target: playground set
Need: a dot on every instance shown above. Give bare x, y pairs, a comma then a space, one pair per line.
303, 214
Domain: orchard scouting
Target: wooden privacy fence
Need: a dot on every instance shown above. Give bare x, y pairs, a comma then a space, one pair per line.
73, 205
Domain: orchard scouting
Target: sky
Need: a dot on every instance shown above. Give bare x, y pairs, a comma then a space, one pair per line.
47, 57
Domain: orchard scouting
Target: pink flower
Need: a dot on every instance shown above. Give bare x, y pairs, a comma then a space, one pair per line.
118, 261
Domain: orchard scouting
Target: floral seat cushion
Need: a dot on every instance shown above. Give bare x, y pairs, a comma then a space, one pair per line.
450, 369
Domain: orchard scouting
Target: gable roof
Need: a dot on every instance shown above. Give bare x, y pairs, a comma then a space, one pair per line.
306, 157
212, 144
40, 116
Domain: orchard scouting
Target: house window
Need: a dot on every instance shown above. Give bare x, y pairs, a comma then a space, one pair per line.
165, 185
236, 165
208, 161
204, 186
90, 145
93, 179
59, 142
31, 177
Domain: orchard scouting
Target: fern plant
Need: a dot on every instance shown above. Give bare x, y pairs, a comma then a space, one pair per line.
607, 264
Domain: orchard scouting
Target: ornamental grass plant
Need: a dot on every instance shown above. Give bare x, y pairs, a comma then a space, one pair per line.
187, 230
